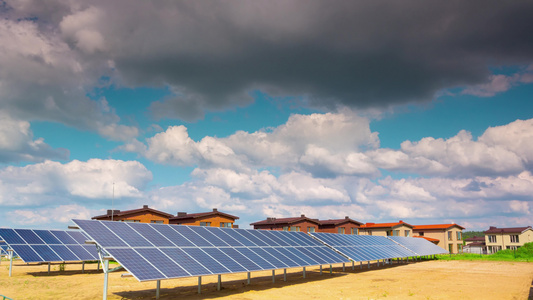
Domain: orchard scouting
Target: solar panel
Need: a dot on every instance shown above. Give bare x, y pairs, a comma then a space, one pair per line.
33, 245
159, 251
364, 247
418, 245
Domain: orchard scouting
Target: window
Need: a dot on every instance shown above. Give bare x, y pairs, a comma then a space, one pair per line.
157, 221
341, 230
295, 228
285, 228
492, 239
420, 234
395, 232
459, 235
370, 232
514, 239
450, 248
494, 249
407, 233
459, 248
311, 229
512, 247
205, 223
355, 231
449, 235
133, 221
225, 224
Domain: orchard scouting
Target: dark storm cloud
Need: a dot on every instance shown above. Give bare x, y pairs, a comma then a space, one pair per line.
354, 53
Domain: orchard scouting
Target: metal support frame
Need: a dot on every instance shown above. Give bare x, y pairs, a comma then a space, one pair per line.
273, 276
248, 282
82, 267
10, 261
157, 288
284, 274
199, 284
304, 272
320, 269
353, 265
219, 284
48, 268
330, 270
106, 277
369, 264
343, 267
361, 264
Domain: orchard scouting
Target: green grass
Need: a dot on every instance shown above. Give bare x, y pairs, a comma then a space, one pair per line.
524, 253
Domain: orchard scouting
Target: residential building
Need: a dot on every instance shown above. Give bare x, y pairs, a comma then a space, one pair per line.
450, 236
399, 228
475, 239
342, 226
498, 239
475, 244
213, 218
142, 215
301, 223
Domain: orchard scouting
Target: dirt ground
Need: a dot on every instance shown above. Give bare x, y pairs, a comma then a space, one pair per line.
415, 280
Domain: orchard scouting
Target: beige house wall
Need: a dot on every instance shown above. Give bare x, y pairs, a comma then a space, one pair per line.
445, 239
504, 240
383, 231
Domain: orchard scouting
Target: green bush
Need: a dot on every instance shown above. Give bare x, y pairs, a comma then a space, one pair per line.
524, 253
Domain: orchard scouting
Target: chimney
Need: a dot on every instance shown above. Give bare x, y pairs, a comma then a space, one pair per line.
346, 217
109, 212
302, 216
215, 210
181, 214
401, 221
492, 227
145, 206
270, 219
370, 224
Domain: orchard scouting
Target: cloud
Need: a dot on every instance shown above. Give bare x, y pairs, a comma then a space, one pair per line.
62, 214
17, 143
55, 183
43, 79
212, 56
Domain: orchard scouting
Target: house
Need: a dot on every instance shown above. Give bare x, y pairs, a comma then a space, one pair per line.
399, 228
142, 215
475, 244
498, 239
213, 218
450, 236
342, 226
475, 239
301, 223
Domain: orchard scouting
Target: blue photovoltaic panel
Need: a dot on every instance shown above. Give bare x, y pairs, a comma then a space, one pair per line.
136, 264
152, 235
188, 263
106, 238
204, 250
47, 245
418, 245
364, 247
163, 263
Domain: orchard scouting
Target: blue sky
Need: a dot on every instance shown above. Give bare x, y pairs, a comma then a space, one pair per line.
333, 111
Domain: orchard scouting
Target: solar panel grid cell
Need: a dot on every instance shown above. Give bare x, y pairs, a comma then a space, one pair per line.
260, 234
206, 233
136, 264
29, 236
64, 237
243, 260
47, 237
297, 252
251, 237
10, 236
106, 238
186, 262
299, 261
257, 259
225, 260
124, 232
173, 236
281, 257
27, 253
237, 236
152, 235
192, 236
207, 261
81, 253
64, 253
226, 237
163, 263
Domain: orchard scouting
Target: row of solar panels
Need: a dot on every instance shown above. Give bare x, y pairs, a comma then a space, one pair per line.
48, 245
158, 251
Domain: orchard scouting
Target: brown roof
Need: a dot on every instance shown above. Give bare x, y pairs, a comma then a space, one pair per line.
385, 225
215, 212
475, 238
278, 221
476, 244
145, 208
493, 229
339, 221
436, 226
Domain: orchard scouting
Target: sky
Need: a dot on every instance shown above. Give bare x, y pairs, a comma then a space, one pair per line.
377, 110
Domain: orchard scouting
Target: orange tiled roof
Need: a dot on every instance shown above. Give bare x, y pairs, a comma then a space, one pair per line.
428, 238
436, 226
384, 225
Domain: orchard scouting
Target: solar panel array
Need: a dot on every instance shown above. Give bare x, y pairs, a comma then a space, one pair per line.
159, 251
48, 245
3, 248
418, 245
364, 247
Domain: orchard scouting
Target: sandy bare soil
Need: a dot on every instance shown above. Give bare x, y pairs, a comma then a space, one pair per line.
416, 280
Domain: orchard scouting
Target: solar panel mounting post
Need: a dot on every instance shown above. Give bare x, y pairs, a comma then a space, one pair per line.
219, 284
199, 284
48, 268
10, 261
343, 267
304, 272
330, 269
248, 282
157, 288
284, 274
320, 269
106, 277
273, 276
353, 265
